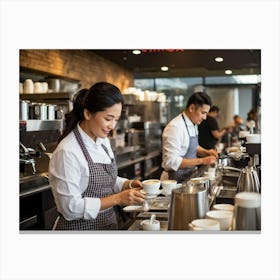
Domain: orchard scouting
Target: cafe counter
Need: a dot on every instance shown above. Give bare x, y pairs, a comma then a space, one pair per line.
159, 206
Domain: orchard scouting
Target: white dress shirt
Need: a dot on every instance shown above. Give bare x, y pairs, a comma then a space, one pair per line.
175, 143
69, 175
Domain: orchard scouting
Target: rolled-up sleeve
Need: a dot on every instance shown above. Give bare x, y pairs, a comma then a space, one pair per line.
119, 184
173, 144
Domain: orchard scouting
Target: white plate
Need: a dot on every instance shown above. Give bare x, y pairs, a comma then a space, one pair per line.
151, 195
132, 208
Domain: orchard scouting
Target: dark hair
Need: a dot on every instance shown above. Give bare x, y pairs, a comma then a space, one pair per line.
214, 108
199, 99
252, 114
97, 98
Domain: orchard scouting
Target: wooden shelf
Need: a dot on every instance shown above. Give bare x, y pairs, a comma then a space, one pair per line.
33, 73
47, 96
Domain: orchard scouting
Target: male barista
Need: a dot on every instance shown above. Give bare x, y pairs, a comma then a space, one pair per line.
180, 150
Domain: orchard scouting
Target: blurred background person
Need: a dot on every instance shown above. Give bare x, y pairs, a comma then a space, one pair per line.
231, 137
238, 125
252, 120
209, 132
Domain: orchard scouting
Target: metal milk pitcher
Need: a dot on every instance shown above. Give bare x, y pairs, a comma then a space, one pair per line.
248, 180
247, 211
187, 203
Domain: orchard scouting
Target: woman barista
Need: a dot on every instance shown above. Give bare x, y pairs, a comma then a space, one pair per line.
82, 171
180, 149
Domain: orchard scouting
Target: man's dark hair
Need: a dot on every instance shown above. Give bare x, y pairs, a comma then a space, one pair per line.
199, 99
214, 108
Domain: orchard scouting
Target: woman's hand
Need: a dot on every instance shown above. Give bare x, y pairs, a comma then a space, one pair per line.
136, 184
132, 184
125, 197
130, 197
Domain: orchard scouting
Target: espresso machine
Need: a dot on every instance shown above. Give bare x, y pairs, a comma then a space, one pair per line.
38, 139
254, 151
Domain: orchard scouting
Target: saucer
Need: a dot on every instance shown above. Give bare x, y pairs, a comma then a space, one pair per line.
133, 208
151, 195
165, 193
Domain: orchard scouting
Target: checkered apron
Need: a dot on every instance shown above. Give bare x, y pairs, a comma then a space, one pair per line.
102, 178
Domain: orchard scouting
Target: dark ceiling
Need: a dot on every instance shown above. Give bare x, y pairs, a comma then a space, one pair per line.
183, 62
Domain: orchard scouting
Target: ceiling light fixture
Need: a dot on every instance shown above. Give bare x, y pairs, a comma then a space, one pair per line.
228, 72
136, 51
219, 59
164, 68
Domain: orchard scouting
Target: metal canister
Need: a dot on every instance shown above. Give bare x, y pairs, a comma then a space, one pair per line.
24, 109
59, 113
247, 211
43, 111
34, 111
54, 85
188, 203
51, 112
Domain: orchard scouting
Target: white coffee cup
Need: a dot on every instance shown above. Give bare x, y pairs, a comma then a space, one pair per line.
223, 217
212, 173
151, 186
20, 88
45, 87
38, 88
28, 86
204, 224
148, 225
168, 186
224, 207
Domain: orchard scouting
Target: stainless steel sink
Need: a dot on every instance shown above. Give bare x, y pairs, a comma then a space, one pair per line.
226, 187
229, 179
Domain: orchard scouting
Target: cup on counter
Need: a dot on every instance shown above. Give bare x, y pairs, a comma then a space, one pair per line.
151, 186
168, 186
212, 173
204, 224
224, 207
148, 225
223, 217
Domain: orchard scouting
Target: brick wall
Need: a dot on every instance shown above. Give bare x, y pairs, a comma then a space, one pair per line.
82, 65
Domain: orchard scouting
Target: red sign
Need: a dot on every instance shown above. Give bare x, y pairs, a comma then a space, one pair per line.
161, 50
